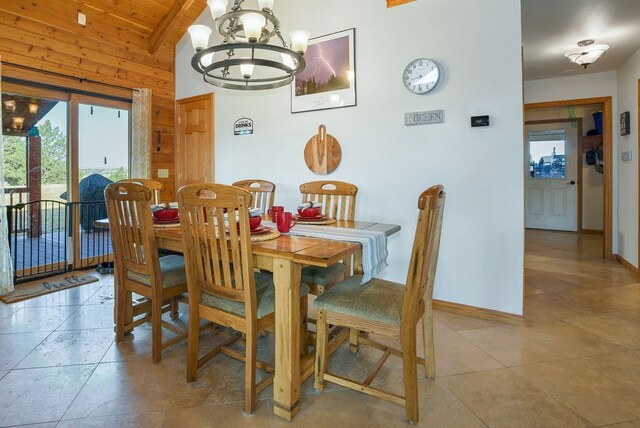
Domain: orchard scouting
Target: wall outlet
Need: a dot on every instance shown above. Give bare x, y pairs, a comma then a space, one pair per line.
163, 173
626, 156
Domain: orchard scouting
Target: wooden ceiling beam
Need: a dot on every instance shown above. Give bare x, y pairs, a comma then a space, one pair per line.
163, 29
392, 3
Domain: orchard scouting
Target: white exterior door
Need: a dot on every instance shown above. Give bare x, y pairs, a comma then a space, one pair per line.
551, 187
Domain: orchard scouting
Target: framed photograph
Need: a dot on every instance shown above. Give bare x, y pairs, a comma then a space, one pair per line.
625, 125
329, 80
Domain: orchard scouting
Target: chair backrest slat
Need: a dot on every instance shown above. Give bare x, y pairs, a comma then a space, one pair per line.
263, 193
337, 197
218, 254
132, 234
424, 256
153, 185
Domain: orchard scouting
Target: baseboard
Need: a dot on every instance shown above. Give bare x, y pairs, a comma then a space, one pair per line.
591, 232
627, 265
473, 311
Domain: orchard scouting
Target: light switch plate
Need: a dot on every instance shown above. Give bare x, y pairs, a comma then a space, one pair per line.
626, 156
163, 173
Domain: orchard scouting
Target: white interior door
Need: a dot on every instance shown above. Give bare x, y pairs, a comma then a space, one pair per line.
551, 187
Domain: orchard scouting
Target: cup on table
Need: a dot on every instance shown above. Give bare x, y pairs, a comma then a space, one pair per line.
285, 221
274, 211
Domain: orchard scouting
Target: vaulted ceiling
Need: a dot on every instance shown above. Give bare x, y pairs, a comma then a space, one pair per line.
146, 24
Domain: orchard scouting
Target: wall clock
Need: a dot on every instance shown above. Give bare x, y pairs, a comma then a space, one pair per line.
421, 76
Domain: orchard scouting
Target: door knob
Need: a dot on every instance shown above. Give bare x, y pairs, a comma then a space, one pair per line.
572, 182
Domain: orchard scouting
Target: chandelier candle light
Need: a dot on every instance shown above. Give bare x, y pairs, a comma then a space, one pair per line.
587, 53
245, 60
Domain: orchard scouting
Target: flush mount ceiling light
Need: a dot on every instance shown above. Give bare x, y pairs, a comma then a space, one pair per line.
10, 105
33, 108
245, 60
587, 53
17, 122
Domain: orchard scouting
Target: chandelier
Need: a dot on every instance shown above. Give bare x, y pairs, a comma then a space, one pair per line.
587, 53
245, 60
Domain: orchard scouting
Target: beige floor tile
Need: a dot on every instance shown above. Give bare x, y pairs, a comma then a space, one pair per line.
437, 406
70, 297
550, 283
137, 346
45, 318
69, 347
632, 315
225, 415
614, 329
127, 387
459, 322
104, 296
3, 374
629, 424
330, 409
544, 342
132, 420
456, 355
15, 346
579, 386
606, 299
9, 309
503, 399
40, 395
90, 316
551, 306
623, 367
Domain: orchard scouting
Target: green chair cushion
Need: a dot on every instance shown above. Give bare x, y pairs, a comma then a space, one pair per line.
323, 275
377, 300
265, 295
172, 269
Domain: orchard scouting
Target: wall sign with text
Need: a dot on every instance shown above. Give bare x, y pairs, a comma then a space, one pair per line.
424, 117
243, 126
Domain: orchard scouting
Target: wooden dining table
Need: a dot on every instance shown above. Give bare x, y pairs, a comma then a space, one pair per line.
285, 256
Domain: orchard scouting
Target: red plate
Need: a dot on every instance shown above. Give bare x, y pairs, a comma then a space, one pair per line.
261, 230
167, 221
316, 218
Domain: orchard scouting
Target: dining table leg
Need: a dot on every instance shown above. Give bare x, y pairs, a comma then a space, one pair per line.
287, 381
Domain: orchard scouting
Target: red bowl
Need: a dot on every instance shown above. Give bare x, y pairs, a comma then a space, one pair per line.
254, 223
309, 212
166, 214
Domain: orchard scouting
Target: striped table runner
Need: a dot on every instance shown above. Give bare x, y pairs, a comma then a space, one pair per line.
374, 244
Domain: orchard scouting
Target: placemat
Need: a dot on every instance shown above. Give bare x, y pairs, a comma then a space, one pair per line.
166, 225
318, 223
265, 236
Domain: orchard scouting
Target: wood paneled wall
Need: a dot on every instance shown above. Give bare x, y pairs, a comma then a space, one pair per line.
113, 48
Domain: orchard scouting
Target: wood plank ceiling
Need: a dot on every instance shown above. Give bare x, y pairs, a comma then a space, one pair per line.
125, 44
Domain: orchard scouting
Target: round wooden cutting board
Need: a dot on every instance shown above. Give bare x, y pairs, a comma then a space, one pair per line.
322, 154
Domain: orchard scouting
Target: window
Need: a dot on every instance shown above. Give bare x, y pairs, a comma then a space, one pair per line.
547, 154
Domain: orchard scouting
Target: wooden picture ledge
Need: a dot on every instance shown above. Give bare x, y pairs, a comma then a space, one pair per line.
392, 3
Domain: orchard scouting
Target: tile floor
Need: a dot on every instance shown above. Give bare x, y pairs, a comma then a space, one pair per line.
575, 362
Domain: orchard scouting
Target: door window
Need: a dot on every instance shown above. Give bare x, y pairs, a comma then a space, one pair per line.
547, 157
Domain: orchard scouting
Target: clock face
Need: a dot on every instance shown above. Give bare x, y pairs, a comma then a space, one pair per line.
421, 76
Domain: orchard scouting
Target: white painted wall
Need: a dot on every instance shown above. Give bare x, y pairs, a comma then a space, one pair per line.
628, 75
481, 257
592, 181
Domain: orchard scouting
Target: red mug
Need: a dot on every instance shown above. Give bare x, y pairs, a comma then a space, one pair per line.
284, 222
274, 211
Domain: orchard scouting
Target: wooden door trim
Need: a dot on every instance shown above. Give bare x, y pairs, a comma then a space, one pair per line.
607, 125
578, 157
638, 262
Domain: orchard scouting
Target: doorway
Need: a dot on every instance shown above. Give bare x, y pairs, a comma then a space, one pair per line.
60, 150
604, 155
551, 174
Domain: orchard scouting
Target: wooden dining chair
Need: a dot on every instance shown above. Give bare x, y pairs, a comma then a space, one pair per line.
223, 286
389, 309
338, 201
139, 269
263, 193
153, 185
